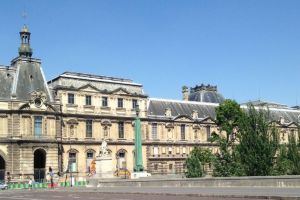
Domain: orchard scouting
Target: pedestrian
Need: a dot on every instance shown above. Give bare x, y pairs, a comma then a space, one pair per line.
51, 174
30, 184
8, 178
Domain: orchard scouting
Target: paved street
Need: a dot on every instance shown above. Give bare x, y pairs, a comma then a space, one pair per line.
148, 193
93, 195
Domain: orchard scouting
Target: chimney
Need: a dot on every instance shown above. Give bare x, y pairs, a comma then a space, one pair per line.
185, 93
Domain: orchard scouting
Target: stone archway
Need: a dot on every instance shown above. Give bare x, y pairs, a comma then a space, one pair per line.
2, 169
39, 165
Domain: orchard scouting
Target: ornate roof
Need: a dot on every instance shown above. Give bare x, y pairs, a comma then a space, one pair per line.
104, 84
205, 93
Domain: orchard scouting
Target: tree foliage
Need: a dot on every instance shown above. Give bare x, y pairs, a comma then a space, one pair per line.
226, 163
228, 115
250, 145
195, 163
258, 142
293, 155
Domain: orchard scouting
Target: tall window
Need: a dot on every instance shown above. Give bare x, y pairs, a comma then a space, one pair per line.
134, 103
71, 98
89, 159
72, 162
182, 131
89, 128
170, 150
155, 151
88, 100
38, 124
154, 131
120, 103
208, 132
104, 102
121, 129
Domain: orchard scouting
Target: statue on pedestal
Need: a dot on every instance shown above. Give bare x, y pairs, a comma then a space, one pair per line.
103, 149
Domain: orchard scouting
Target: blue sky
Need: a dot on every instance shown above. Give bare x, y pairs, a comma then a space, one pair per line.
249, 49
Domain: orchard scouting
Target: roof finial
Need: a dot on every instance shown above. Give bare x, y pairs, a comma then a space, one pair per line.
24, 15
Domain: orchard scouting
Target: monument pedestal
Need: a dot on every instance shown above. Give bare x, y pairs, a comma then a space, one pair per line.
104, 167
136, 175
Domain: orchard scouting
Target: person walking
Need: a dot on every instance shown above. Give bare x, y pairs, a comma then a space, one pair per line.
30, 184
51, 174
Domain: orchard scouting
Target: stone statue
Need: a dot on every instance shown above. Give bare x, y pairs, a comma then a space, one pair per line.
103, 150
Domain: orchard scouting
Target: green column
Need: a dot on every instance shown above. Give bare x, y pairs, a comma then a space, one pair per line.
138, 165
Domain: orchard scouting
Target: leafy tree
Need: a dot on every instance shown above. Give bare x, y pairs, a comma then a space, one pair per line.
228, 115
258, 142
196, 162
293, 155
283, 164
226, 163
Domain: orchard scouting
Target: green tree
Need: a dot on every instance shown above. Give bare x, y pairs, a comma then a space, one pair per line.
196, 162
283, 164
226, 162
293, 155
258, 142
228, 115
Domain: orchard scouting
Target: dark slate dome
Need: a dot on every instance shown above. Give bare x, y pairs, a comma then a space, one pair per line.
205, 93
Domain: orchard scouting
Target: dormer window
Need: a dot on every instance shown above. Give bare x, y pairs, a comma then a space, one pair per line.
168, 112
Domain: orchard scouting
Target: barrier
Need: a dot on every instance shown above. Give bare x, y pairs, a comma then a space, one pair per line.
45, 185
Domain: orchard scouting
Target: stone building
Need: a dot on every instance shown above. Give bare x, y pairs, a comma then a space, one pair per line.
62, 123
30, 120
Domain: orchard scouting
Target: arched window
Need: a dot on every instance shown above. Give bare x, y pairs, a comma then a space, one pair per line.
121, 159
72, 164
90, 155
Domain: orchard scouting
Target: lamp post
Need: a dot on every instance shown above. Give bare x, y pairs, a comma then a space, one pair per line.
138, 165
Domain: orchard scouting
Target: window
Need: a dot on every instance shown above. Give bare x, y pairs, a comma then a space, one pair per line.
88, 100
184, 150
120, 103
72, 162
90, 155
170, 150
208, 132
155, 151
154, 131
89, 160
121, 129
104, 102
134, 103
182, 131
170, 166
38, 124
155, 166
89, 128
293, 133
71, 98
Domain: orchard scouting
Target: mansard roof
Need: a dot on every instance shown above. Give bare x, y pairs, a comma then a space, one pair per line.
75, 81
22, 78
157, 109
